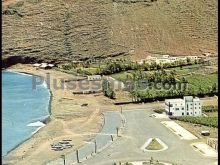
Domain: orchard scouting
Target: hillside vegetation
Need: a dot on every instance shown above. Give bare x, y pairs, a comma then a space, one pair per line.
80, 29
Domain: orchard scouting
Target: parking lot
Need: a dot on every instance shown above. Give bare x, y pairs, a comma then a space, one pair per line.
139, 128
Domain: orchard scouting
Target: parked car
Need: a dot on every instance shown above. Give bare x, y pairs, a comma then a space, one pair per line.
205, 133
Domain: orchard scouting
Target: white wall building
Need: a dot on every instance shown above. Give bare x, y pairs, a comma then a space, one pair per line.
193, 57
188, 106
94, 77
166, 59
166, 56
162, 61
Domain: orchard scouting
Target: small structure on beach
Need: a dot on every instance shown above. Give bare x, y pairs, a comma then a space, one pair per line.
51, 65
36, 65
44, 65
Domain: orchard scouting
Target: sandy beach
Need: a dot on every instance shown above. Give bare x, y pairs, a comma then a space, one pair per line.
69, 120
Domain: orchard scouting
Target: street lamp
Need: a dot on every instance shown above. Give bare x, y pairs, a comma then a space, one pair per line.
77, 155
95, 146
95, 143
117, 129
64, 160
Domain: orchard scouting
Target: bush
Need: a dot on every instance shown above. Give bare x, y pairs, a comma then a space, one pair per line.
160, 111
66, 67
107, 90
210, 108
207, 121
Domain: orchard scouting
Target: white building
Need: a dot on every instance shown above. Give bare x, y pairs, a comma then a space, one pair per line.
94, 77
166, 56
188, 106
162, 61
193, 57
36, 65
166, 59
173, 59
44, 65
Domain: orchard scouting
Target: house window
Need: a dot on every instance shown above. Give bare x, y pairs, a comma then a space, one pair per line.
182, 114
177, 109
195, 112
195, 107
191, 112
187, 113
182, 108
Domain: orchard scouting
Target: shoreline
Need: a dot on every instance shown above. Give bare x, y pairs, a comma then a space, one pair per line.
67, 120
23, 141
30, 150
45, 120
32, 74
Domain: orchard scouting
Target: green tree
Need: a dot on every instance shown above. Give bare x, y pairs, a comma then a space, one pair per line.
188, 60
184, 80
107, 90
214, 88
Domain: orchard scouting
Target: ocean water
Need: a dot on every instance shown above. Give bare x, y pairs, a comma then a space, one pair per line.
22, 108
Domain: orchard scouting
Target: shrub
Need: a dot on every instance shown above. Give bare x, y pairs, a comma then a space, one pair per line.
160, 111
210, 108
107, 90
207, 121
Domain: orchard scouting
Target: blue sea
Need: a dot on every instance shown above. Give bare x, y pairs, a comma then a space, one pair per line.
22, 108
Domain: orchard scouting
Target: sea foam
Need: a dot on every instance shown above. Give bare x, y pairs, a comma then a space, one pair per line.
36, 124
24, 110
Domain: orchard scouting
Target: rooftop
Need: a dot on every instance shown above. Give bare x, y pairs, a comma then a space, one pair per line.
185, 98
173, 100
188, 98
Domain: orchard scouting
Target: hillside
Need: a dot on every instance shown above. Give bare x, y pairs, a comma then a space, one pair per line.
81, 29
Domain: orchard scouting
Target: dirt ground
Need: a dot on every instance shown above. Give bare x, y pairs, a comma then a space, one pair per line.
196, 130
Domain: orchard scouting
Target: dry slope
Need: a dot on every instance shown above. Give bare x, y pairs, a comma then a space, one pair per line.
82, 29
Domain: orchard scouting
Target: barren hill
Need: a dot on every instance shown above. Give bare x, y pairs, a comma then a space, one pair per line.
82, 29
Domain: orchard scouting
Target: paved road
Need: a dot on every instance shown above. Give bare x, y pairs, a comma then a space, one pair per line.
103, 139
139, 128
